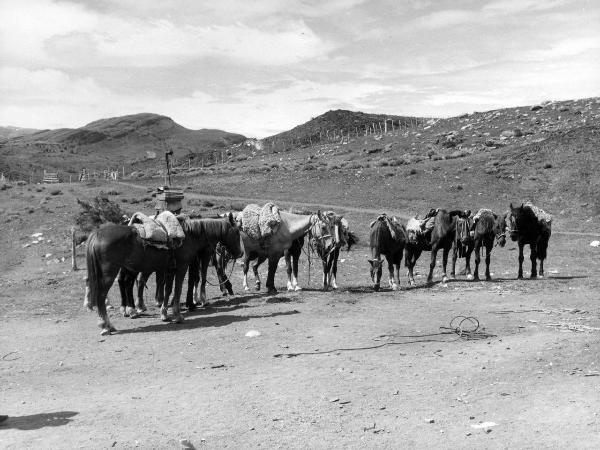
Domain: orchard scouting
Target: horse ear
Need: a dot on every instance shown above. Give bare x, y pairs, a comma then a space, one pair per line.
231, 218
370, 262
320, 215
522, 204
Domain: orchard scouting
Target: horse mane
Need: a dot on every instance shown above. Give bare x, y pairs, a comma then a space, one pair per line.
197, 227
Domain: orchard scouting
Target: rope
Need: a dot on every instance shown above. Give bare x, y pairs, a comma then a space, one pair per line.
464, 327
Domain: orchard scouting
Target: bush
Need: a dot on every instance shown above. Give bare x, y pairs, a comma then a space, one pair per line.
55, 192
100, 210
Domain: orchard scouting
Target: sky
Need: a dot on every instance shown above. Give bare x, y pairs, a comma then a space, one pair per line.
262, 67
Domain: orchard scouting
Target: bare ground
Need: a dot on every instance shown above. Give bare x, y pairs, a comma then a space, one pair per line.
152, 384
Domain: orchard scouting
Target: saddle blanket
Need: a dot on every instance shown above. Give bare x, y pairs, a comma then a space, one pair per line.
541, 215
162, 231
260, 222
480, 212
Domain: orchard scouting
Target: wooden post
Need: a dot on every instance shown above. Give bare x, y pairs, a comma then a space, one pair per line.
73, 251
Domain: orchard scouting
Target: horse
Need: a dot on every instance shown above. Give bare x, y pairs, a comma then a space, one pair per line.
329, 254
291, 227
462, 245
528, 225
292, 257
387, 237
442, 234
487, 227
116, 247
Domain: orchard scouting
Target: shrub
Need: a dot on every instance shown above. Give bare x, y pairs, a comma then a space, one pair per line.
55, 192
100, 210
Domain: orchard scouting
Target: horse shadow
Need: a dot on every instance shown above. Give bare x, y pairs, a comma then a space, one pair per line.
202, 321
37, 421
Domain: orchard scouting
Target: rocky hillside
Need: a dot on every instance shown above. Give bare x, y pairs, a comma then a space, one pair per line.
134, 141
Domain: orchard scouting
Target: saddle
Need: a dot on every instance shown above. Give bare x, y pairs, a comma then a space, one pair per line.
542, 216
393, 225
162, 231
260, 223
419, 230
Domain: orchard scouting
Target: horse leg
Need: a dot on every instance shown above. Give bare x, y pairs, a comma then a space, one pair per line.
204, 260
295, 259
245, 268
477, 259
122, 280
104, 284
288, 269
257, 282
179, 276
163, 290
142, 280
445, 252
521, 259
325, 263
391, 280
488, 254
191, 296
468, 262
410, 259
126, 281
454, 256
332, 279
434, 250
533, 258
224, 284
273, 262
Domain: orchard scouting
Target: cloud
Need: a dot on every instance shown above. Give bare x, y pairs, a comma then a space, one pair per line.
62, 35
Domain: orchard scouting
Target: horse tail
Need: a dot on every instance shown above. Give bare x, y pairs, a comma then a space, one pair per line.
542, 244
352, 239
94, 270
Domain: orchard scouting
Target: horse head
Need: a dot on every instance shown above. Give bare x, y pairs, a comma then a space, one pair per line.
375, 266
232, 239
324, 232
510, 220
500, 229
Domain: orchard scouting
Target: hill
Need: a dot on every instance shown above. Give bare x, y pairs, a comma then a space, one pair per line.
545, 153
335, 124
134, 140
12, 132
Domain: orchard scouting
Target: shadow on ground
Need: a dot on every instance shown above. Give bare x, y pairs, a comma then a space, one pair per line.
37, 421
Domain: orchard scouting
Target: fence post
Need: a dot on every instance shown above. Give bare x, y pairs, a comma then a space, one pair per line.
73, 251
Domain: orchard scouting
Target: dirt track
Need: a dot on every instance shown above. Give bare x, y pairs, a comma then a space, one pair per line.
152, 384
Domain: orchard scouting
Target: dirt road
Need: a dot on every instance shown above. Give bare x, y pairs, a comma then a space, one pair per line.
533, 384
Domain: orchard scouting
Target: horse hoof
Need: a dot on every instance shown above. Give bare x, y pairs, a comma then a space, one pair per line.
290, 288
271, 291
297, 288
191, 307
376, 288
105, 332
257, 287
109, 307
178, 319
395, 287
488, 278
470, 277
444, 279
133, 315
141, 309
165, 318
246, 288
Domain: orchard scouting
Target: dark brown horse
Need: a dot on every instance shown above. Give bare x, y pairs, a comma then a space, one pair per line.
387, 237
528, 225
442, 236
116, 247
487, 228
329, 249
463, 245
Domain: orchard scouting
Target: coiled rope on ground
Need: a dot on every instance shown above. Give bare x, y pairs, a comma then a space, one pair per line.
466, 328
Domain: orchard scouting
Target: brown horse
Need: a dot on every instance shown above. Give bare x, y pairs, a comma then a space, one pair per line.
116, 247
442, 236
291, 227
524, 226
387, 237
487, 228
